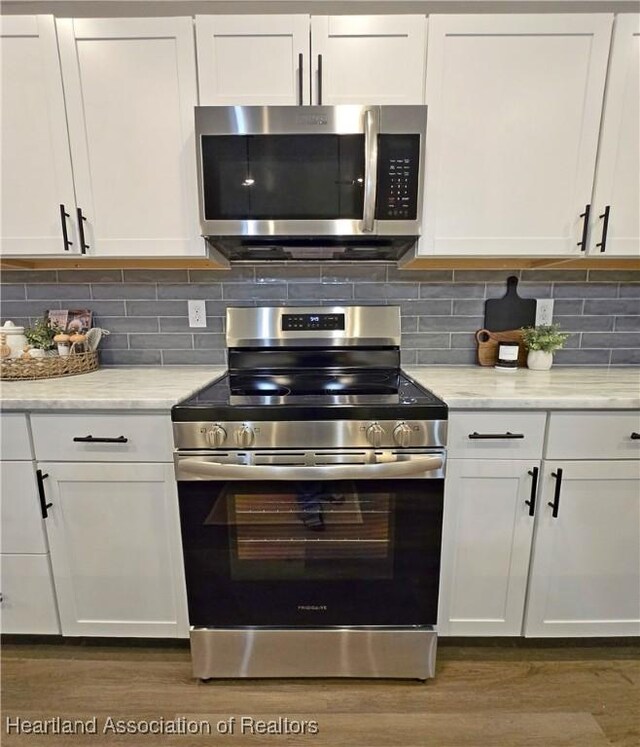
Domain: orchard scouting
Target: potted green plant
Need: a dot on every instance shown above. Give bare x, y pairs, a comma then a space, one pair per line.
542, 341
40, 337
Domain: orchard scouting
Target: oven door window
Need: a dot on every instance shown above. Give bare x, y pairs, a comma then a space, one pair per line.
323, 553
283, 177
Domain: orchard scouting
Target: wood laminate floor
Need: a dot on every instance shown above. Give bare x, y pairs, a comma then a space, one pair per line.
499, 696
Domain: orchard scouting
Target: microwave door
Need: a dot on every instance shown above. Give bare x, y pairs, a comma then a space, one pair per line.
371, 131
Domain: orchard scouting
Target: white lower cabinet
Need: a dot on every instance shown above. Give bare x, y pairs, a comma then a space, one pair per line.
27, 604
487, 534
114, 535
585, 574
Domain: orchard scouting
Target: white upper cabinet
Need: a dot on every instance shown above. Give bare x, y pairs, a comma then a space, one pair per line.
616, 198
130, 88
514, 115
253, 60
368, 59
35, 160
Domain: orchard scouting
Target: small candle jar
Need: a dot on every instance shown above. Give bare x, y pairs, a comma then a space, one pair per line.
508, 356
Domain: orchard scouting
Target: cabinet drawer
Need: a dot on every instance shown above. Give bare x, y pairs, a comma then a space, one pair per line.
20, 513
28, 600
106, 438
14, 433
506, 434
594, 435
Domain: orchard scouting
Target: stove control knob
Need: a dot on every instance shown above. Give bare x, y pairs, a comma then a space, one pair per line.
375, 432
402, 435
216, 436
244, 436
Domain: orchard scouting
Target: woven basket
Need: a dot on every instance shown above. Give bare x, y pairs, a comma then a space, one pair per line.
50, 367
489, 342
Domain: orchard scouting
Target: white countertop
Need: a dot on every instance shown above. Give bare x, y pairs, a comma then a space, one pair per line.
560, 388
473, 387
140, 388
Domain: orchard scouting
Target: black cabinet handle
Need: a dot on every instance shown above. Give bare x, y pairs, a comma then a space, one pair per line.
300, 78
65, 236
534, 489
585, 228
555, 505
44, 506
81, 221
319, 79
99, 440
508, 434
635, 436
605, 228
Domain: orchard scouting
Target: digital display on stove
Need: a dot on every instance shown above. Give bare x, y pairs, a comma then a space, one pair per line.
309, 322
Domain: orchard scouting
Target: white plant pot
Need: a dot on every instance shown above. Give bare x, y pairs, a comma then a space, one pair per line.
539, 360
37, 353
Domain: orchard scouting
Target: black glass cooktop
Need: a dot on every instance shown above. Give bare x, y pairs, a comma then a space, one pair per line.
327, 394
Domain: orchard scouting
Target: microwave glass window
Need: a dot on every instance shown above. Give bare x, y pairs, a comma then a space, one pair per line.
283, 177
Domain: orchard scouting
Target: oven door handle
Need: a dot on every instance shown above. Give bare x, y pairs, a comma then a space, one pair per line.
217, 470
371, 129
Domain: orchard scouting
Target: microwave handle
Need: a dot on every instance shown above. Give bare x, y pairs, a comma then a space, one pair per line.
371, 129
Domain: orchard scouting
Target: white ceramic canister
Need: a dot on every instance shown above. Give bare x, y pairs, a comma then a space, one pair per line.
15, 338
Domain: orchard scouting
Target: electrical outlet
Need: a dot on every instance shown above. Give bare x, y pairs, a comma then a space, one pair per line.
544, 311
197, 314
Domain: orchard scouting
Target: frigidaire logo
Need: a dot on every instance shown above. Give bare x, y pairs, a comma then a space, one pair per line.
312, 119
313, 607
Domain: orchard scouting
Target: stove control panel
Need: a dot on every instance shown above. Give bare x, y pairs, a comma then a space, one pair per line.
310, 322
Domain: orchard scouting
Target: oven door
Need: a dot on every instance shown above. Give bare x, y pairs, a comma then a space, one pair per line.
309, 172
312, 552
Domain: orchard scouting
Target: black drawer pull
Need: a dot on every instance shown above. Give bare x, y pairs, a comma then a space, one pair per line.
555, 505
534, 489
99, 440
635, 436
508, 434
44, 506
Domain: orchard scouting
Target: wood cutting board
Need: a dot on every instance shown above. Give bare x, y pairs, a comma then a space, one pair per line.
510, 311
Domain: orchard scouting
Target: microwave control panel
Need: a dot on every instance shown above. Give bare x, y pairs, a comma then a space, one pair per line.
398, 165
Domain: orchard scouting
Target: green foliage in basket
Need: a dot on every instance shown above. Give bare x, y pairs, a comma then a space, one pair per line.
41, 334
545, 337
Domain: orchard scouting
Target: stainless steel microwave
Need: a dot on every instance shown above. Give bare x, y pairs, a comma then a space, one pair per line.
326, 182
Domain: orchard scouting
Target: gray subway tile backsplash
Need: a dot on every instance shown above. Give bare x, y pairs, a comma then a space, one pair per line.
146, 310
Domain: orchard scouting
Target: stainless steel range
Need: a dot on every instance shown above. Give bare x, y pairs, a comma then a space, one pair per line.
310, 480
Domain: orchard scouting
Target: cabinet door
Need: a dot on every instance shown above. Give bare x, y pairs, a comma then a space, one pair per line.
130, 87
514, 115
617, 186
585, 575
115, 549
20, 515
253, 60
35, 161
486, 545
27, 599
368, 59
